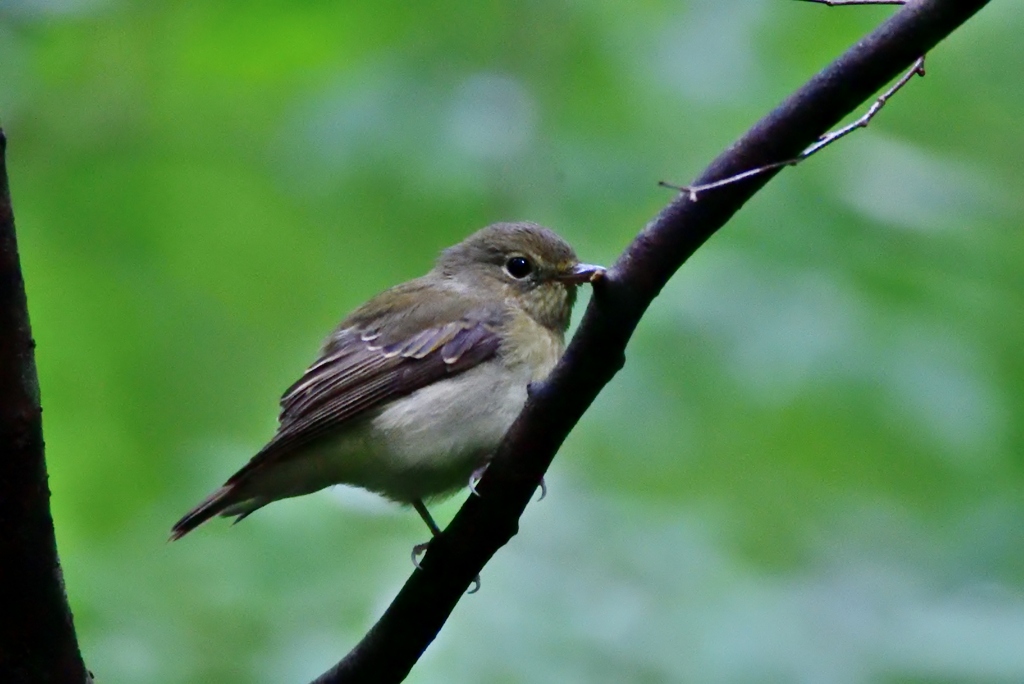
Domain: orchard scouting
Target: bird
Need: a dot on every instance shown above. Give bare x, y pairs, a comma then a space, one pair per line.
412, 393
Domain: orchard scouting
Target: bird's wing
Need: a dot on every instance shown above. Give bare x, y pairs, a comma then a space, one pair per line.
364, 365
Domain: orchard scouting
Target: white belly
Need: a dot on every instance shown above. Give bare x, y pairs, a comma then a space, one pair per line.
430, 442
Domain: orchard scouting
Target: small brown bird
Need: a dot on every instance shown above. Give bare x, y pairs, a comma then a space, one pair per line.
412, 393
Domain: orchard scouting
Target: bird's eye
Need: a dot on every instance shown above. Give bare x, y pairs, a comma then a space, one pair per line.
518, 267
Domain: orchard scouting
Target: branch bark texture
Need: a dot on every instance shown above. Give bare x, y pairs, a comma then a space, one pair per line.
37, 637
485, 523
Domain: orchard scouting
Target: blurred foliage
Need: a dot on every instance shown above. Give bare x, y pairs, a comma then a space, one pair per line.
810, 470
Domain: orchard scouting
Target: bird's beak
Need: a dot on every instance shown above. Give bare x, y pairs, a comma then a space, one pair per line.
582, 273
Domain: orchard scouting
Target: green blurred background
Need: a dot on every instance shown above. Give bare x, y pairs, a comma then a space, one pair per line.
810, 470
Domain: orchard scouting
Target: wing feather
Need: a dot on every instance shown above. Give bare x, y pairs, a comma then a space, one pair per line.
358, 373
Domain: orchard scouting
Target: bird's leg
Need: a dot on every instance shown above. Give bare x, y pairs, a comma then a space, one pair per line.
421, 508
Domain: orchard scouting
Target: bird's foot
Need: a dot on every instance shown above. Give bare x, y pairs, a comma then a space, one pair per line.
474, 479
419, 549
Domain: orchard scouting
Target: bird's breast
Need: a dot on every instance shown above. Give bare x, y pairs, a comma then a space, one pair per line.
531, 347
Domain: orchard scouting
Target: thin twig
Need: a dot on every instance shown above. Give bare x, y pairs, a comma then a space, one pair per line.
840, 3
822, 142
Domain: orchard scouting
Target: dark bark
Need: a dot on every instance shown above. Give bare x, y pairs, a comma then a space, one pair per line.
37, 637
485, 523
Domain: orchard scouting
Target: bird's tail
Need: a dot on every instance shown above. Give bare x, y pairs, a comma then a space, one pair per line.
217, 503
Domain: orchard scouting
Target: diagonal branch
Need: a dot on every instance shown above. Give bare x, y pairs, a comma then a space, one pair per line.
37, 637
485, 523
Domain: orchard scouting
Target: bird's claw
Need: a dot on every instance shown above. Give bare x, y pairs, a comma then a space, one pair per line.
416, 551
476, 585
543, 490
474, 478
